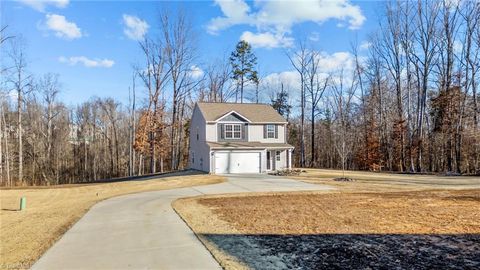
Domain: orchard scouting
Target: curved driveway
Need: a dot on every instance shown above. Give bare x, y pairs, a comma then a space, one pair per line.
141, 231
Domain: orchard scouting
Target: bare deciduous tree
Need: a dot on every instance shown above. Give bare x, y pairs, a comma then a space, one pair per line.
317, 84
300, 62
21, 82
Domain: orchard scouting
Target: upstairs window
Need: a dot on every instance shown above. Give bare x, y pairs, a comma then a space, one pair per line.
270, 131
233, 131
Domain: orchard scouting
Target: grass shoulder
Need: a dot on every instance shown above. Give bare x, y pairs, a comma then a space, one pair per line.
50, 212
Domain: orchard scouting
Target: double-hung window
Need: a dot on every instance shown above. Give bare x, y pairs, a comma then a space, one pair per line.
233, 131
270, 131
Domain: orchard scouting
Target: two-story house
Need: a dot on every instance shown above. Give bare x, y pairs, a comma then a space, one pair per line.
238, 138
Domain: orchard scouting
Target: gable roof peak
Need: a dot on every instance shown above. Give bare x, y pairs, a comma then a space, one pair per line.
255, 112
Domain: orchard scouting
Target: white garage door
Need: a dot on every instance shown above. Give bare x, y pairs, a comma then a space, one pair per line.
237, 162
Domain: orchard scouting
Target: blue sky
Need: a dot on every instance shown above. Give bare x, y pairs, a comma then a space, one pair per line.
92, 45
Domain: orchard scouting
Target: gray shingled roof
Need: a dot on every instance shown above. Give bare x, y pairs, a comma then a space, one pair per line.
262, 113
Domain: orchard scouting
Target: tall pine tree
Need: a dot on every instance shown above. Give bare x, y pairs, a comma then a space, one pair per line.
280, 103
243, 63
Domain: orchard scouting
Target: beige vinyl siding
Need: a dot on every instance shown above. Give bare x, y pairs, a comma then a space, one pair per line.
198, 148
211, 132
282, 164
255, 134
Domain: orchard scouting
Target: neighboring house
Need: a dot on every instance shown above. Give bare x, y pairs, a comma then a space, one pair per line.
238, 138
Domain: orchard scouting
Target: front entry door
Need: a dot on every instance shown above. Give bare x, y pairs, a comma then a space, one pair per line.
269, 161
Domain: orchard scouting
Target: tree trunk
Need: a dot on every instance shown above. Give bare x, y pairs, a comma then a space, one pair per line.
313, 161
152, 153
421, 106
161, 164
302, 123
1, 152
134, 124
20, 133
117, 158
241, 89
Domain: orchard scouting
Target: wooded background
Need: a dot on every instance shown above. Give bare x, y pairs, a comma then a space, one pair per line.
410, 104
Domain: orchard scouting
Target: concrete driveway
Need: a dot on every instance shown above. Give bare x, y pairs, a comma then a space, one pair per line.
141, 231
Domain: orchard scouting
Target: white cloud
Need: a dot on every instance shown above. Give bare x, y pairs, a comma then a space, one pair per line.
314, 36
457, 46
283, 14
12, 95
278, 17
272, 83
365, 45
290, 79
41, 5
234, 11
195, 72
62, 27
329, 64
266, 40
135, 28
74, 60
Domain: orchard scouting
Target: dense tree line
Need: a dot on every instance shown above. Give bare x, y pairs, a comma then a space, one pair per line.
44, 142
409, 104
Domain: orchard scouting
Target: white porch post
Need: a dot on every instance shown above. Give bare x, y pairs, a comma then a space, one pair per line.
289, 159
263, 161
211, 164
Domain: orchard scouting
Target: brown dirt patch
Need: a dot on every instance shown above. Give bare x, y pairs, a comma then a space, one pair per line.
50, 212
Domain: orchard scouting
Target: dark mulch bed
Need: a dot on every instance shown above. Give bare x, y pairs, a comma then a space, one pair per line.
293, 172
357, 251
343, 179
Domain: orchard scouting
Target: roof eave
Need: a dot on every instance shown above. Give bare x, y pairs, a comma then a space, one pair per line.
262, 123
251, 147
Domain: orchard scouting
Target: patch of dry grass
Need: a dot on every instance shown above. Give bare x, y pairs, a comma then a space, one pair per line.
375, 203
387, 182
26, 235
420, 212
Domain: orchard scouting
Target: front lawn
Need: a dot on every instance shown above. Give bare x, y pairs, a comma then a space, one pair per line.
431, 229
387, 182
26, 235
